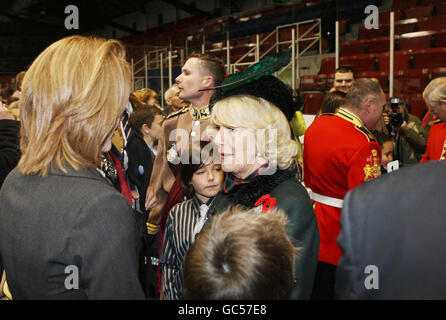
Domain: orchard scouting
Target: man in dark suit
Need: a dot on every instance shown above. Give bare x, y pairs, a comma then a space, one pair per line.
9, 142
393, 235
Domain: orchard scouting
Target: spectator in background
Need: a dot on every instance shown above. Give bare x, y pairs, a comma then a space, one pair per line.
332, 102
435, 97
58, 209
9, 148
146, 122
343, 79
115, 162
148, 96
9, 142
173, 102
243, 254
386, 143
18, 81
407, 132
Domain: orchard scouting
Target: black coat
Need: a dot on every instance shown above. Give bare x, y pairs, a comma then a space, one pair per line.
396, 223
140, 164
9, 147
293, 199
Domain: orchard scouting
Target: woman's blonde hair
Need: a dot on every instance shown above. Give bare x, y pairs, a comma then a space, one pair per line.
273, 133
435, 91
146, 95
72, 97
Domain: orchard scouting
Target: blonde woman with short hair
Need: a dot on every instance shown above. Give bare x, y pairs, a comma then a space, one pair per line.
147, 96
65, 231
259, 154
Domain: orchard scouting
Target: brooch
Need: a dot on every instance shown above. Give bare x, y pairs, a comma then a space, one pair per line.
268, 203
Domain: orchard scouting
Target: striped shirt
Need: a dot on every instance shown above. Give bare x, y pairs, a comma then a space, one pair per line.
178, 236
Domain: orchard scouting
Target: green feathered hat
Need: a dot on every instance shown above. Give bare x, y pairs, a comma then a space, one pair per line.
266, 67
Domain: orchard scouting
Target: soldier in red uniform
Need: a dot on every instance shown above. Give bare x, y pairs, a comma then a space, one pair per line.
340, 153
435, 97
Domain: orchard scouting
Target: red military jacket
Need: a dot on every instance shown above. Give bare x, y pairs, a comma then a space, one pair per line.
339, 154
436, 142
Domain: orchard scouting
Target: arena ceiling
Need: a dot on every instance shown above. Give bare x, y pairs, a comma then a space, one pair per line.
28, 26
46, 17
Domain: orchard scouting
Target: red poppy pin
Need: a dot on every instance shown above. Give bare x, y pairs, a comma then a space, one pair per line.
268, 203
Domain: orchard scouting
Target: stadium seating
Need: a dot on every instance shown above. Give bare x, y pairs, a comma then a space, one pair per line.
420, 43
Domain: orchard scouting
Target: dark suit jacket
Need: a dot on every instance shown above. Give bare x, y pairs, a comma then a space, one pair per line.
398, 224
9, 147
68, 219
139, 154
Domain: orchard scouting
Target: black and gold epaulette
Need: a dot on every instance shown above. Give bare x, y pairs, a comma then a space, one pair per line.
367, 133
181, 111
437, 121
358, 124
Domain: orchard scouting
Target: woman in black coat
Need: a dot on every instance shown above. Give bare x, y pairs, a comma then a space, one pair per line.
258, 153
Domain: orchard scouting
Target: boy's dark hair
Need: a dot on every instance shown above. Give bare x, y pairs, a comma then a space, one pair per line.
332, 101
345, 69
198, 156
241, 255
144, 114
381, 137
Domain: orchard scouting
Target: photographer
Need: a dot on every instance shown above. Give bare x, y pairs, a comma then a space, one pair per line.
407, 132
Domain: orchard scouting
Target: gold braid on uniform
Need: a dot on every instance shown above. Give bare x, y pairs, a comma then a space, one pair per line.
152, 228
181, 111
199, 114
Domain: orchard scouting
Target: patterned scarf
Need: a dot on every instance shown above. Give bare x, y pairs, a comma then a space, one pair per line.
232, 181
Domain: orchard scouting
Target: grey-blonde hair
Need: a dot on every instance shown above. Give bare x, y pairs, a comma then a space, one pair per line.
435, 91
272, 129
361, 90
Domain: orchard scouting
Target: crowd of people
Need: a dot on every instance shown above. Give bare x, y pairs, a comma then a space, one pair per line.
214, 196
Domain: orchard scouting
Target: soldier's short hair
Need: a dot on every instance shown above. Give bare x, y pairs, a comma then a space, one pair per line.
213, 65
361, 90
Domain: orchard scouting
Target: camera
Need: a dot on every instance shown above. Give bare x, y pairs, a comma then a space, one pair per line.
396, 118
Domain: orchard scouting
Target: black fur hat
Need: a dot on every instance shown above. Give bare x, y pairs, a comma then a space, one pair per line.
257, 81
269, 88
